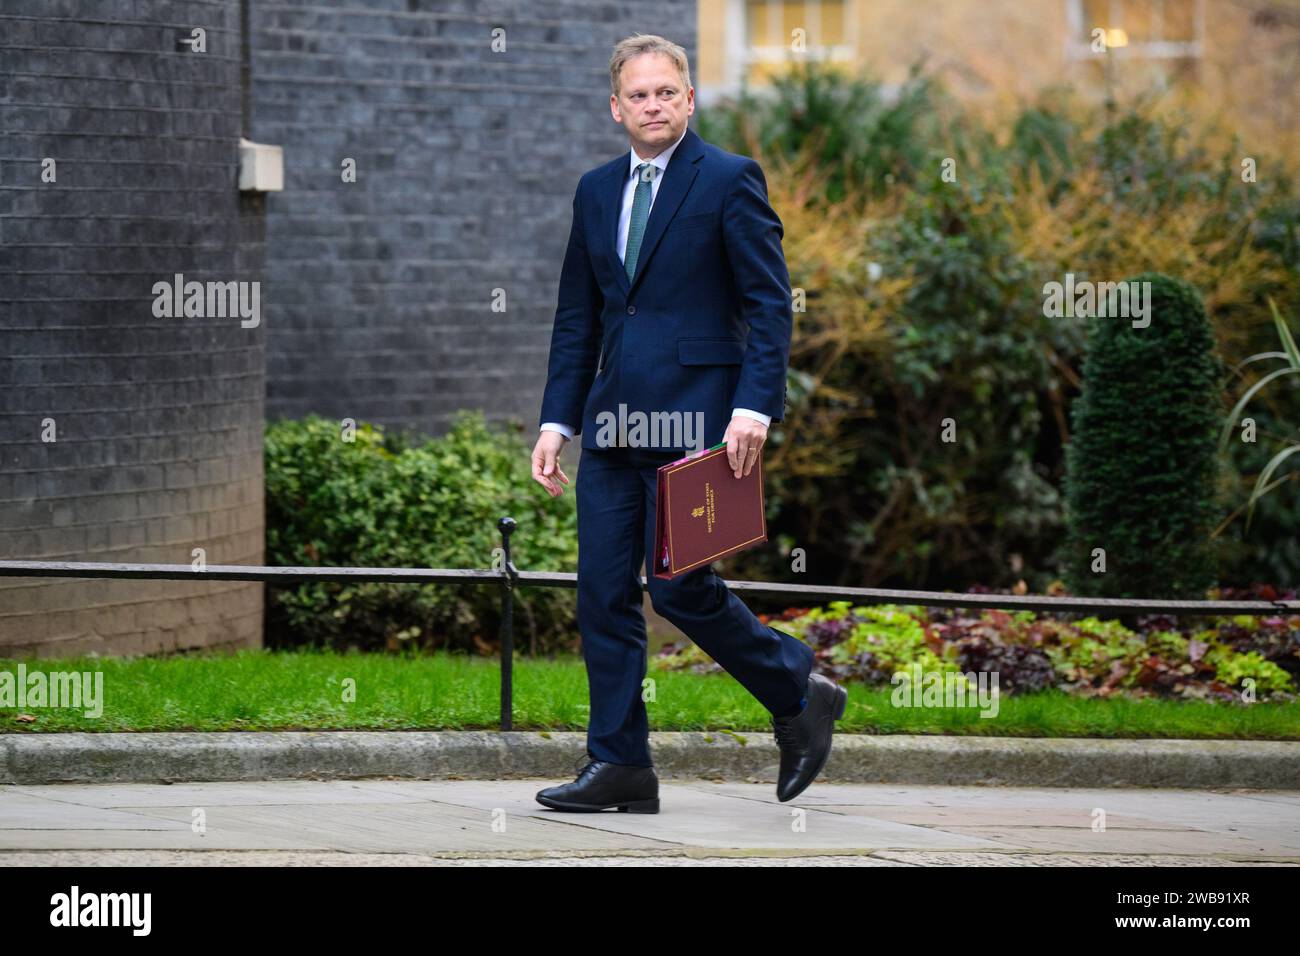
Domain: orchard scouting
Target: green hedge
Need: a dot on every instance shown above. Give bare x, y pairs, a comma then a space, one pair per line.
382, 500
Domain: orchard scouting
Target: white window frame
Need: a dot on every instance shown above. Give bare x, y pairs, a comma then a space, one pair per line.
1078, 49
740, 57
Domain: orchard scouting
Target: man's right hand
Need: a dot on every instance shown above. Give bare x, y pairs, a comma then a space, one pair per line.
546, 462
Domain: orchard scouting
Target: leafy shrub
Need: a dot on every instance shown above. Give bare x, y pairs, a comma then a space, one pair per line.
924, 302
849, 127
1232, 668
1087, 656
880, 641
1020, 668
1290, 356
388, 501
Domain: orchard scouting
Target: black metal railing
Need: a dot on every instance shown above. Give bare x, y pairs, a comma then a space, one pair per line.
509, 578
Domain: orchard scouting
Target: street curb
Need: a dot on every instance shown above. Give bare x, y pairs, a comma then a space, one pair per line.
44, 758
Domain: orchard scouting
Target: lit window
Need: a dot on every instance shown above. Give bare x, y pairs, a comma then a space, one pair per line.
780, 33
1143, 29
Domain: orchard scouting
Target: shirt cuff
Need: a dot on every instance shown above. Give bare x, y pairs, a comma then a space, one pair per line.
750, 413
564, 430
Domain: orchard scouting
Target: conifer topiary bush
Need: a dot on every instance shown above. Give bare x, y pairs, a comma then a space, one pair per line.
1142, 464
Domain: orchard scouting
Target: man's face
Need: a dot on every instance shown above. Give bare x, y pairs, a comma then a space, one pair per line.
651, 104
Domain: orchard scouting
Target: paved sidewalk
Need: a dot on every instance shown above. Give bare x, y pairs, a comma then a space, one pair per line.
441, 822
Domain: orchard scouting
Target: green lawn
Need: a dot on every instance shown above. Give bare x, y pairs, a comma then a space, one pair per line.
305, 691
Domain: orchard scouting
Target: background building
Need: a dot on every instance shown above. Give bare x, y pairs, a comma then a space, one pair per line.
469, 124
1243, 55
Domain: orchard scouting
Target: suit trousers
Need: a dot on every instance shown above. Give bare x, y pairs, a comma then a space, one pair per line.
616, 490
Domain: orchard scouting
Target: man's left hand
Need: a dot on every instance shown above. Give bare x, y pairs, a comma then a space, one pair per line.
744, 438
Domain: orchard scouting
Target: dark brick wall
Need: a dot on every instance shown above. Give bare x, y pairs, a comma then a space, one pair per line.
467, 159
377, 295
159, 420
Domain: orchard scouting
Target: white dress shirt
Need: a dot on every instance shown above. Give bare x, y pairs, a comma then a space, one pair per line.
624, 221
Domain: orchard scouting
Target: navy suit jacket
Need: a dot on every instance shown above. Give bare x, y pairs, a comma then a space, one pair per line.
704, 324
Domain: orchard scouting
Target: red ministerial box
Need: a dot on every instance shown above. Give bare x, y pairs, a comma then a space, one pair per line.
704, 512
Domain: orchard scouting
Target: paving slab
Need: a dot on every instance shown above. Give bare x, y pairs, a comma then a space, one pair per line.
152, 858
429, 822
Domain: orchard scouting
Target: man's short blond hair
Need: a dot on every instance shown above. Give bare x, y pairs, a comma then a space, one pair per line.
640, 43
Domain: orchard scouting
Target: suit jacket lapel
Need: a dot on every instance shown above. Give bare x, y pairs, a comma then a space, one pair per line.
677, 180
612, 194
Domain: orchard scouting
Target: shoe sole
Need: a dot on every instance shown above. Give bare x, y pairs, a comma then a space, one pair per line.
837, 711
624, 806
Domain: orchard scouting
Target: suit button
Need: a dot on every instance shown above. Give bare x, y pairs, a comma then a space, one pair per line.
631, 310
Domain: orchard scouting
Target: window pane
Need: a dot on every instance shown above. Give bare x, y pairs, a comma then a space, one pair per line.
795, 16
832, 23
1180, 20
1096, 13
757, 23
1137, 17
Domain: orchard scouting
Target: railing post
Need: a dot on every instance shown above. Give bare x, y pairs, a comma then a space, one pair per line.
506, 526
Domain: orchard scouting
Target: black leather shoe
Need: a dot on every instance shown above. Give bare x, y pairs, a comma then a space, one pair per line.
805, 738
601, 785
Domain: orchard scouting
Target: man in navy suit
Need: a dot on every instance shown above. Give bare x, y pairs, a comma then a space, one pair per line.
674, 304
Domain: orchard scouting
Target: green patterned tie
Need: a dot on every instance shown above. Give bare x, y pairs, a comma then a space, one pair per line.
645, 174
